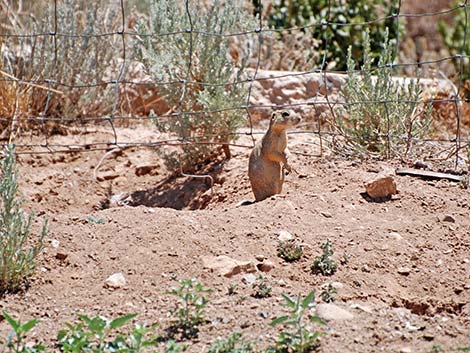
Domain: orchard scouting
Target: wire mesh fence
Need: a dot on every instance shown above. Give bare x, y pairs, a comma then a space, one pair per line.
58, 72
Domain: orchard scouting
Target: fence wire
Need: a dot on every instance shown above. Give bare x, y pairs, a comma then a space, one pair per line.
55, 85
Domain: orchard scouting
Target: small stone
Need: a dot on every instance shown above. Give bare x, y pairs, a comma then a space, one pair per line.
396, 236
260, 257
326, 214
116, 280
330, 311
226, 266
110, 175
284, 236
383, 187
249, 278
265, 266
61, 256
405, 271
55, 243
337, 285
448, 218
364, 308
406, 350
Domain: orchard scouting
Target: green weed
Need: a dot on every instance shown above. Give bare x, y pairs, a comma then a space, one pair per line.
233, 344
15, 340
289, 250
325, 264
17, 260
297, 335
189, 313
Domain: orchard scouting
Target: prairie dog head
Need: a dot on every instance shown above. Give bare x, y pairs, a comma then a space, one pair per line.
282, 120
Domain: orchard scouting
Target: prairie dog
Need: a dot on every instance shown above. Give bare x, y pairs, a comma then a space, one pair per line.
268, 159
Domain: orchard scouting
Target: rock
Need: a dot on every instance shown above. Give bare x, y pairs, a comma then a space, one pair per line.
406, 350
284, 235
448, 218
249, 278
396, 236
265, 266
336, 285
226, 266
55, 243
145, 169
363, 308
405, 271
326, 214
109, 175
116, 280
61, 256
383, 187
330, 311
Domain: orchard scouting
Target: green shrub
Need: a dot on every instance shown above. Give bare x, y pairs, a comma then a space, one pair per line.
286, 13
232, 344
383, 115
290, 250
202, 58
325, 264
15, 342
189, 313
453, 36
297, 335
17, 251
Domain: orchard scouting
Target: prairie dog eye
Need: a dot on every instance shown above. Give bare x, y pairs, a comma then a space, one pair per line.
285, 114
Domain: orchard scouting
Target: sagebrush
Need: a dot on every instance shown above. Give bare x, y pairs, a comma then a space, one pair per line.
18, 250
197, 61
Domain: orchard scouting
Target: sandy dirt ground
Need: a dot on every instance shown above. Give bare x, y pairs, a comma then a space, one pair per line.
403, 265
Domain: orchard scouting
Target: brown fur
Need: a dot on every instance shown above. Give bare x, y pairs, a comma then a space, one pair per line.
268, 158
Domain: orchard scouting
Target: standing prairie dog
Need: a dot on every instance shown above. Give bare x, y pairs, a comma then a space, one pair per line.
268, 158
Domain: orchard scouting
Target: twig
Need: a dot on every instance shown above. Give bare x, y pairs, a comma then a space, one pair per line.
31, 84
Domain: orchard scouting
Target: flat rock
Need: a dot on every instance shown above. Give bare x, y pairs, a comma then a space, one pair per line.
284, 235
116, 280
448, 218
382, 187
226, 266
265, 266
404, 271
330, 311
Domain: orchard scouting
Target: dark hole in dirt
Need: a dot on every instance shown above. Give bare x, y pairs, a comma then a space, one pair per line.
178, 191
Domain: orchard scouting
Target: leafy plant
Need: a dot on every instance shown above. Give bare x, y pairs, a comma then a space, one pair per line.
261, 288
298, 335
99, 334
325, 264
453, 36
17, 260
327, 295
198, 59
382, 115
192, 302
346, 20
289, 250
15, 340
232, 344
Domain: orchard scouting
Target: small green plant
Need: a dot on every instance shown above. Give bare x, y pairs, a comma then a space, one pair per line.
327, 295
232, 289
298, 335
383, 116
436, 348
325, 264
15, 340
17, 261
261, 288
233, 344
464, 349
453, 36
99, 334
201, 65
289, 250
192, 302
